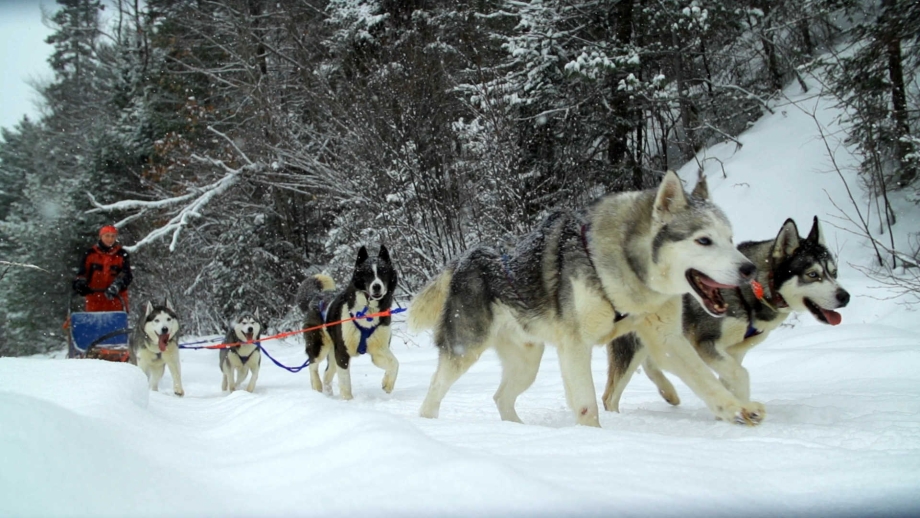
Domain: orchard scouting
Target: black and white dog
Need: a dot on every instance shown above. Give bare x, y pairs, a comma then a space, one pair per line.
370, 291
245, 358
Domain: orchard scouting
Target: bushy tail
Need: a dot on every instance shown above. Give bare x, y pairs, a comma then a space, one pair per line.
311, 286
427, 305
325, 282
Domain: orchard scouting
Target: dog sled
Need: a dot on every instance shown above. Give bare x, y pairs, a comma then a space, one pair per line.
100, 335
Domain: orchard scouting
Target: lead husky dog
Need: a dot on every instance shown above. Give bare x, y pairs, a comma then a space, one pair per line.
580, 279
797, 275
244, 358
370, 291
154, 345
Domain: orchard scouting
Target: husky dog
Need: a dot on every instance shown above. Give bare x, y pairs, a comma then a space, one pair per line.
580, 279
797, 275
244, 358
370, 291
154, 345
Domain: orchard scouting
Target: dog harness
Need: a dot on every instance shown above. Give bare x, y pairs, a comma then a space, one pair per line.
322, 309
751, 330
244, 359
366, 332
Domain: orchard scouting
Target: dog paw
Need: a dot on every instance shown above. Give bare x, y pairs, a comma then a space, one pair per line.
749, 414
588, 417
611, 406
671, 397
388, 385
428, 412
179, 392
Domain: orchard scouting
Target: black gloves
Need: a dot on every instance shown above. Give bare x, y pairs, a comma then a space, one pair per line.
80, 286
112, 291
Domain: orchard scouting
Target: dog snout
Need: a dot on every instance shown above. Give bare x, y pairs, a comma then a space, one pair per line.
249, 330
843, 297
164, 330
747, 271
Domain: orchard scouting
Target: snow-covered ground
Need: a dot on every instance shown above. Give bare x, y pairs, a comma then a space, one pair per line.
841, 438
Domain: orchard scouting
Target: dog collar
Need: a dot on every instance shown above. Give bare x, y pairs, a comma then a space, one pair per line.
776, 299
367, 295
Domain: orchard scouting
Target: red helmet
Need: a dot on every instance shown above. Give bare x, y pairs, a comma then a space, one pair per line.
108, 229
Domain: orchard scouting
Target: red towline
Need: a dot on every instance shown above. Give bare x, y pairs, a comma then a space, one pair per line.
385, 313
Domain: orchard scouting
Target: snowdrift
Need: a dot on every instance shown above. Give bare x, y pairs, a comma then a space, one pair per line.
841, 437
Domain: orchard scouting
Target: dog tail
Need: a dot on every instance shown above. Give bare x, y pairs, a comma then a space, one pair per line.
427, 305
311, 286
325, 282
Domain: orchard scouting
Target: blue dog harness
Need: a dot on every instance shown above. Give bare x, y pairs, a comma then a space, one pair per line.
751, 330
366, 332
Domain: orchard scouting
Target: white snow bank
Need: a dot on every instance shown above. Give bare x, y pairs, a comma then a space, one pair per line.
841, 437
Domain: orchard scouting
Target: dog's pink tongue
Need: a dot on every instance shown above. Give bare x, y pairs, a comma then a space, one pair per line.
713, 284
163, 342
833, 318
248, 336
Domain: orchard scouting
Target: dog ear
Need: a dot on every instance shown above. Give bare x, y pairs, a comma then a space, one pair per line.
168, 304
670, 198
384, 254
816, 235
362, 256
701, 191
787, 241
257, 316
149, 309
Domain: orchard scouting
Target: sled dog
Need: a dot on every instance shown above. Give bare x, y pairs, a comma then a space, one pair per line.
796, 275
370, 291
154, 345
244, 358
580, 279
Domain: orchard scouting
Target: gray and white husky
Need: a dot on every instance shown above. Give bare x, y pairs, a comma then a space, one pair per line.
796, 275
370, 291
580, 279
244, 359
154, 345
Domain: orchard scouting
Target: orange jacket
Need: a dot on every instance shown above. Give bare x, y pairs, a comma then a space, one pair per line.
101, 267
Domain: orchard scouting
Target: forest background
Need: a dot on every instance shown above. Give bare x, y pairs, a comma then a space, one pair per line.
241, 145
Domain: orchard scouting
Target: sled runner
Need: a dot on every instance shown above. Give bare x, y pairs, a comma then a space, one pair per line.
101, 334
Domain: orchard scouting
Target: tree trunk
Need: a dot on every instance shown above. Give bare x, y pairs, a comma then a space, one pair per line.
617, 140
898, 95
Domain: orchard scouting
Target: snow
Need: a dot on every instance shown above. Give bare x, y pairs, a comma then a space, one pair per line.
841, 437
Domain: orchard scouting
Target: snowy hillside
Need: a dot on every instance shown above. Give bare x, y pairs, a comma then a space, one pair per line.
841, 437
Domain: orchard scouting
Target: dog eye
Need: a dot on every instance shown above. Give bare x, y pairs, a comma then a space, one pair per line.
704, 241
812, 275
